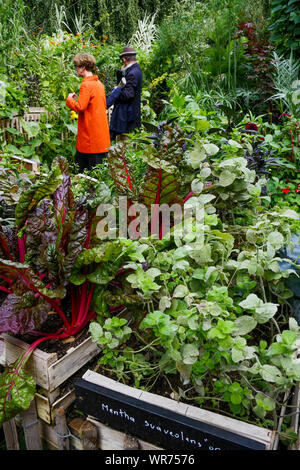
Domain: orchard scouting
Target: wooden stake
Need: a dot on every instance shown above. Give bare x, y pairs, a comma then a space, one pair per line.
61, 429
89, 436
11, 435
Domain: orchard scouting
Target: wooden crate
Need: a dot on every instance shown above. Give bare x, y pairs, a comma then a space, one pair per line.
243, 431
46, 369
47, 403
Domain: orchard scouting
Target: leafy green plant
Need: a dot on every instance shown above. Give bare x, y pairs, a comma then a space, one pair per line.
51, 229
284, 26
286, 83
207, 307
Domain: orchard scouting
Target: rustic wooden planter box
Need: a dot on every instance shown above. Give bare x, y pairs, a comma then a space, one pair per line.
48, 371
106, 402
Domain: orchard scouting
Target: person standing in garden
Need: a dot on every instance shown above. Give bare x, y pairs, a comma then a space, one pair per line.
126, 115
93, 139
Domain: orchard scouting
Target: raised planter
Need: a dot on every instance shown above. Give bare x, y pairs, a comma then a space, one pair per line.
48, 371
164, 422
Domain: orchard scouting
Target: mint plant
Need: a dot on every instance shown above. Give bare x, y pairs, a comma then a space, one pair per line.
209, 307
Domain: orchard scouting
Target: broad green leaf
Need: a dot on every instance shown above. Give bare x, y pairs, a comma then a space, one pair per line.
180, 291
270, 373
190, 353
244, 325
202, 125
17, 390
235, 143
237, 355
289, 213
265, 313
251, 302
96, 331
205, 198
275, 239
31, 128
226, 178
211, 149
196, 156
164, 303
197, 186
289, 337
265, 402
185, 370
205, 172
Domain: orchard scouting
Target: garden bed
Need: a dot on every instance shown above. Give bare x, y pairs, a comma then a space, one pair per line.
163, 421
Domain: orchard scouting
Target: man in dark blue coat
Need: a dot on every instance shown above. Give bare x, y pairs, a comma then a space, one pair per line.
126, 114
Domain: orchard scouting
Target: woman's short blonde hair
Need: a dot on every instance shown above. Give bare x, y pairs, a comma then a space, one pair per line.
85, 60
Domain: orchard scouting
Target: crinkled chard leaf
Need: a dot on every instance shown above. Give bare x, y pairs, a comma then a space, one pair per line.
79, 218
8, 243
121, 170
17, 390
30, 198
20, 314
24, 280
41, 236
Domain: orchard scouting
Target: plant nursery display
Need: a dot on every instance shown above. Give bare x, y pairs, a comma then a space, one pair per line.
176, 260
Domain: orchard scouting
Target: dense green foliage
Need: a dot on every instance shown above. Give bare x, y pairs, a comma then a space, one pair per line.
285, 26
202, 307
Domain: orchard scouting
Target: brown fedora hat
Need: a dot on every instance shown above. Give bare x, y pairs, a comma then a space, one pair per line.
127, 50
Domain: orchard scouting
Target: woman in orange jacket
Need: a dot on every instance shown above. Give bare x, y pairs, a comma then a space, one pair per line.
93, 138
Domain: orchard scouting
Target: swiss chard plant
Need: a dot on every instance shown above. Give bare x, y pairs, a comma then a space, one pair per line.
161, 183
52, 228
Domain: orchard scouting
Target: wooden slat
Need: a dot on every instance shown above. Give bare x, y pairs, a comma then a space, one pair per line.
110, 439
99, 379
230, 424
75, 358
47, 410
37, 365
64, 401
11, 435
31, 427
43, 407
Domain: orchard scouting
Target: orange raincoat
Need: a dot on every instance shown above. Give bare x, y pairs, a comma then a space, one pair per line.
93, 131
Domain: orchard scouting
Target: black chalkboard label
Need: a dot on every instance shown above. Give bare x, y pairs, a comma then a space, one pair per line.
154, 424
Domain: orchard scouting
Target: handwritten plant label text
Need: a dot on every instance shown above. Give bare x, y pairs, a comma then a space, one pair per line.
119, 412
155, 424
